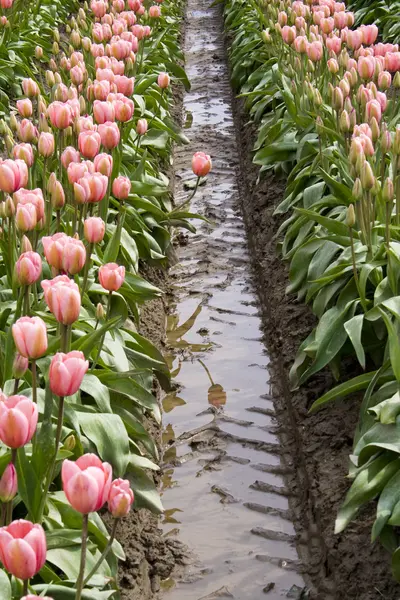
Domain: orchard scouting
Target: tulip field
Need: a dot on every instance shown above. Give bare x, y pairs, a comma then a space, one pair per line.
87, 134
323, 95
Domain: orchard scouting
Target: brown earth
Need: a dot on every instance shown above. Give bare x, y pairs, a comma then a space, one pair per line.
346, 565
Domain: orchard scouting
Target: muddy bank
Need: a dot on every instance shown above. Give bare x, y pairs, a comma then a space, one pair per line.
318, 445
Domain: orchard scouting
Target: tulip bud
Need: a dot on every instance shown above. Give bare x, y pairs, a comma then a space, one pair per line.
20, 366
344, 122
319, 125
388, 190
8, 484
13, 122
55, 48
26, 246
357, 190
57, 195
100, 312
70, 442
386, 141
51, 182
337, 98
9, 207
375, 129
396, 142
367, 176
266, 36
350, 216
39, 52
396, 81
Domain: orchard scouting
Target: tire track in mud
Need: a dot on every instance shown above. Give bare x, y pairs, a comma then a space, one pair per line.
224, 487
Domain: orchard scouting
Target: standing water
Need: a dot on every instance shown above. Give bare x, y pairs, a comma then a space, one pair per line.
223, 486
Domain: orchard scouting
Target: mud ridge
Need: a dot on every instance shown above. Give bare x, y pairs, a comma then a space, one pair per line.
316, 446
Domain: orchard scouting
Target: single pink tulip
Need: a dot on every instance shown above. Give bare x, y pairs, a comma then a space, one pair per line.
92, 186
35, 197
26, 217
27, 132
74, 256
30, 337
46, 144
84, 124
30, 88
94, 229
25, 108
24, 152
28, 268
66, 372
86, 483
77, 75
13, 175
99, 8
89, 143
18, 421
334, 44
76, 171
103, 163
101, 89
373, 110
120, 498
111, 276
117, 66
125, 85
60, 114
23, 548
201, 164
103, 111
70, 155
154, 12
63, 298
110, 135
384, 80
366, 67
163, 80
369, 34
120, 49
8, 484
121, 187
141, 126
53, 247
124, 110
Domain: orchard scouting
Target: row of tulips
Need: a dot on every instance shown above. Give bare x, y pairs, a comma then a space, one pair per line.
83, 199
325, 97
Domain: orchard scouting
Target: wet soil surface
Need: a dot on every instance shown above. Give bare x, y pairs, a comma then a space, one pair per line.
223, 486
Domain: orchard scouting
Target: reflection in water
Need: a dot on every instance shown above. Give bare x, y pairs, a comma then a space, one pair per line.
216, 393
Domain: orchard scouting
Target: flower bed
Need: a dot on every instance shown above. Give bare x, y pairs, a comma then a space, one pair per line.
319, 93
83, 200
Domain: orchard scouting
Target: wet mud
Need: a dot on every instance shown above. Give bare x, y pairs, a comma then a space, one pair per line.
224, 472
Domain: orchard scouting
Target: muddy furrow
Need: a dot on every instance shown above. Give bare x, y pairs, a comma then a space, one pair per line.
224, 486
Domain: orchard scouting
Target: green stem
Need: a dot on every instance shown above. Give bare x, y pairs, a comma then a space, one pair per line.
25, 588
182, 204
87, 267
34, 381
26, 300
105, 553
80, 582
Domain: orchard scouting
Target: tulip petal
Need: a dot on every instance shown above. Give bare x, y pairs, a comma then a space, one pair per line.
20, 559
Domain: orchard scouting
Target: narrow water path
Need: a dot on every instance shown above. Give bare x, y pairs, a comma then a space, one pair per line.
223, 487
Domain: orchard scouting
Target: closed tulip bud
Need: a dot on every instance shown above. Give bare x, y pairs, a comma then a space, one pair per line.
317, 98
25, 107
30, 337
350, 216
375, 130
386, 141
333, 66
103, 163
13, 124
26, 246
75, 39
26, 217
51, 182
8, 484
357, 192
111, 276
86, 483
163, 80
28, 268
319, 125
266, 36
82, 104
201, 164
20, 366
46, 144
396, 141
121, 188
57, 196
337, 98
30, 88
367, 176
70, 442
100, 312
55, 48
396, 81
9, 207
94, 230
120, 498
141, 127
344, 122
23, 549
388, 190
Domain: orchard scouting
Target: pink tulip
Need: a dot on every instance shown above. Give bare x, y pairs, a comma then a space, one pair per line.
110, 135
25, 107
18, 421
373, 110
24, 152
332, 65
60, 115
366, 67
30, 337
28, 268
101, 89
8, 484
334, 44
117, 66
89, 143
77, 75
70, 155
93, 186
13, 175
141, 127
103, 163
35, 197
163, 80
26, 217
20, 366
315, 51
201, 164
27, 132
99, 8
86, 483
300, 44
46, 144
369, 34
23, 548
74, 256
63, 298
111, 276
125, 85
94, 229
154, 12
121, 187
118, 5
30, 88
103, 111
66, 372
76, 171
124, 110
57, 195
120, 498
53, 247
327, 25
384, 80
120, 49
354, 39
85, 124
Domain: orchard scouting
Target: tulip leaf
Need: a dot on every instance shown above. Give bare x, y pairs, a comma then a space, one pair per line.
388, 499
92, 385
29, 486
146, 494
5, 586
354, 329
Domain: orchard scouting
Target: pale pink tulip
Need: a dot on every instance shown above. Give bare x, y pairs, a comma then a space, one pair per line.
103, 163
94, 229
35, 197
89, 143
86, 483
24, 152
111, 276
70, 155
8, 484
63, 298
25, 107
201, 164
120, 498
103, 111
60, 114
28, 268
125, 85
23, 548
93, 185
26, 217
66, 372
46, 144
110, 135
30, 337
13, 175
163, 80
141, 126
30, 88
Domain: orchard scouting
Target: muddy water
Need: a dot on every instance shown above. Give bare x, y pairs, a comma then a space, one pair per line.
223, 487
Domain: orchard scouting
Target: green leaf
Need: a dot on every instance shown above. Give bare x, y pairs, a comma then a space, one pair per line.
94, 388
344, 389
5, 586
389, 497
146, 494
354, 328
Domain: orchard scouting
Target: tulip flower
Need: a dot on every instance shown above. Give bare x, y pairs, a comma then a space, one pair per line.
66, 372
24, 152
163, 80
20, 366
94, 229
121, 187
201, 164
28, 268
141, 127
23, 548
110, 135
46, 144
86, 483
89, 143
26, 217
154, 12
13, 175
8, 484
103, 163
125, 85
27, 132
57, 195
70, 155
92, 187
30, 337
24, 197
111, 276
120, 498
25, 107
30, 88
63, 298
60, 115
124, 110
18, 421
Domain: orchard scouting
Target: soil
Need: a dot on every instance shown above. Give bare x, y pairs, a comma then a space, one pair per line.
346, 565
